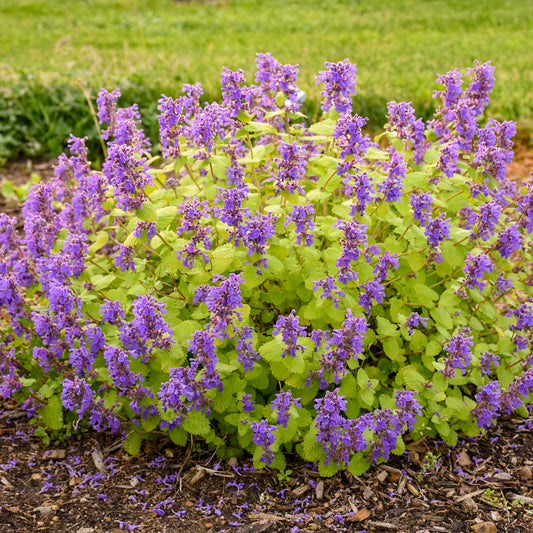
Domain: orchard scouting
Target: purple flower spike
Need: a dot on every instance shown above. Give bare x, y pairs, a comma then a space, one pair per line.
339, 85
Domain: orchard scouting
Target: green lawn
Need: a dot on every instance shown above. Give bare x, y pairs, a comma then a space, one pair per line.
399, 46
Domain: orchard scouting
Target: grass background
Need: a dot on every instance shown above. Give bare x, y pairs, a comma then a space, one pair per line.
151, 46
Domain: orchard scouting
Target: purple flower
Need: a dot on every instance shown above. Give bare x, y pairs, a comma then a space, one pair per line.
488, 217
488, 404
290, 329
509, 240
458, 349
361, 186
437, 230
371, 290
414, 321
386, 262
107, 105
234, 97
148, 329
129, 174
448, 157
477, 93
245, 352
302, 216
124, 258
143, 226
339, 85
408, 407
349, 137
354, 236
402, 120
292, 166
193, 212
77, 395
232, 213
475, 268
112, 312
203, 348
264, 437
255, 232
421, 204
282, 403
118, 364
396, 169
488, 362
222, 301
247, 404
329, 289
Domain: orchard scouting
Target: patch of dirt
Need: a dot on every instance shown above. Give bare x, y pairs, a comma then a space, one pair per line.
91, 486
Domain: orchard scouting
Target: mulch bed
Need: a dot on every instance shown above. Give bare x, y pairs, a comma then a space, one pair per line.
88, 484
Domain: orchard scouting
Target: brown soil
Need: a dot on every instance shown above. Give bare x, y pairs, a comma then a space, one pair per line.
91, 486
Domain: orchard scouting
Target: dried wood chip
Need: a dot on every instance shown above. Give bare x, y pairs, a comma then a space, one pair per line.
98, 460
484, 527
359, 516
319, 490
300, 490
464, 459
519, 498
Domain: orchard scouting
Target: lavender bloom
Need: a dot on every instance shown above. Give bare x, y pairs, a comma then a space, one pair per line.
458, 348
386, 262
292, 166
8, 233
302, 216
173, 117
502, 285
222, 302
193, 212
477, 94
329, 289
488, 217
487, 408
9, 381
128, 173
234, 97
207, 124
448, 157
415, 320
77, 395
264, 437
126, 129
525, 208
396, 169
107, 105
402, 120
453, 91
148, 329
290, 329
339, 85
112, 312
232, 213
509, 240
494, 150
118, 364
371, 290
247, 403
354, 236
475, 269
124, 258
143, 226
273, 76
203, 348
437, 230
408, 407
282, 403
342, 345
254, 233
362, 187
488, 362
180, 388
245, 352
421, 204
349, 137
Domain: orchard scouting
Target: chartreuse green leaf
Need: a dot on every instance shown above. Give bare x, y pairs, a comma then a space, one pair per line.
52, 413
132, 444
196, 423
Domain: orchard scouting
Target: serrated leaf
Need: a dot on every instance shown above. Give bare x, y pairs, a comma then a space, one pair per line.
358, 464
178, 436
132, 444
222, 257
412, 378
196, 423
52, 413
165, 216
393, 349
326, 127
385, 327
147, 212
102, 238
132, 240
426, 295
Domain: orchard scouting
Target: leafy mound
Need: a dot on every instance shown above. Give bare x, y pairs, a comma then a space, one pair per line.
273, 285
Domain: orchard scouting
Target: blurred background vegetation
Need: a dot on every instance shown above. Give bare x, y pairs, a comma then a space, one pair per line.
146, 47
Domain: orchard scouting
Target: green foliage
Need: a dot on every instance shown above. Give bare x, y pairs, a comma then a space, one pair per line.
236, 321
